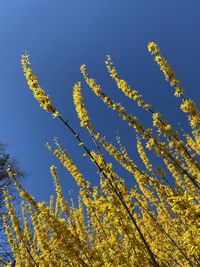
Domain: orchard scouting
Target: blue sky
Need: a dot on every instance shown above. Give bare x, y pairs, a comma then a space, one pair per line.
60, 36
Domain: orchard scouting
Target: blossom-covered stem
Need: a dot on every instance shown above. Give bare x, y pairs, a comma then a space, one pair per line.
38, 92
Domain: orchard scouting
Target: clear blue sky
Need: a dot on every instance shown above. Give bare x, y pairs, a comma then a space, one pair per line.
62, 35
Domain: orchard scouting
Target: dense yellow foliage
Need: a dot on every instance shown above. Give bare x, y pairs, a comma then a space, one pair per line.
151, 224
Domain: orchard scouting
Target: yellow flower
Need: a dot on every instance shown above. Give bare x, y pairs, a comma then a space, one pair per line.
178, 91
188, 106
158, 59
153, 48
56, 114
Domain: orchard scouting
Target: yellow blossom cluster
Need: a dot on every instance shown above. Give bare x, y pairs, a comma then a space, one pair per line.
80, 109
166, 69
143, 156
38, 92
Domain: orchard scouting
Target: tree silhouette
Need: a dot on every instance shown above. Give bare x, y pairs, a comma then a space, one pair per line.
6, 182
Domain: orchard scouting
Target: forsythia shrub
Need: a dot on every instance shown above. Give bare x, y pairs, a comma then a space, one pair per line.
151, 224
